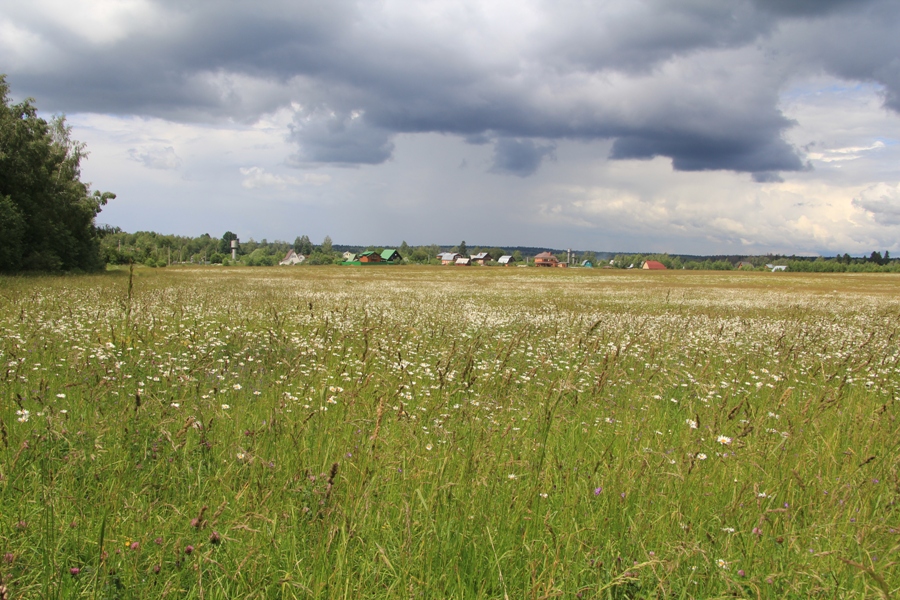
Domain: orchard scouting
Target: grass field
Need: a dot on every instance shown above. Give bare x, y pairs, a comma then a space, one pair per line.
449, 433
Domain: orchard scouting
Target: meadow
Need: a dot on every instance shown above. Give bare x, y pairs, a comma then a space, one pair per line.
426, 432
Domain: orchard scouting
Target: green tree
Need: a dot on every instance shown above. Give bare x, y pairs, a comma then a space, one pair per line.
46, 212
462, 248
225, 242
326, 245
303, 246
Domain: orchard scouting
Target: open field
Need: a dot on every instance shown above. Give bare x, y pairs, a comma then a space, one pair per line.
408, 432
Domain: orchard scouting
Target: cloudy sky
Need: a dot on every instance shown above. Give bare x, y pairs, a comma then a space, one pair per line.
696, 126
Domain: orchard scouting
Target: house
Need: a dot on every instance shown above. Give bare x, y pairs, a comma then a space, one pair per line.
653, 265
506, 260
370, 256
348, 256
587, 264
292, 258
779, 268
390, 255
448, 258
545, 259
463, 261
482, 257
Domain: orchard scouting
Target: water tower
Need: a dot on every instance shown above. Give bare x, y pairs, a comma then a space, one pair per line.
234, 247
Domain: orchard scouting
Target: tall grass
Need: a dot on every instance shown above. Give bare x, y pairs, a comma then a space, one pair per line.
449, 433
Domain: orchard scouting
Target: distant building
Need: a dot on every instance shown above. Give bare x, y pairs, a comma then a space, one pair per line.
587, 264
349, 256
779, 268
463, 261
653, 265
482, 257
448, 258
292, 258
370, 256
390, 255
545, 259
506, 260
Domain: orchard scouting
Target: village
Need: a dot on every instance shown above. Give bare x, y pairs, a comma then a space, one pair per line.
390, 256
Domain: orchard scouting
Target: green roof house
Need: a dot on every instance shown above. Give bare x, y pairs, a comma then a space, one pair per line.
390, 255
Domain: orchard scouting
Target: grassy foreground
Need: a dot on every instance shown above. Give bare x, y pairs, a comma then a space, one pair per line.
449, 433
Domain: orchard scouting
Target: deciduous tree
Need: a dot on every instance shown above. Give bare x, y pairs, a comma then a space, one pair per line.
46, 212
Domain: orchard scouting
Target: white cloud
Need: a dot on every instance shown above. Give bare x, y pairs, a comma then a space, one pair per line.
882, 202
258, 177
840, 154
156, 157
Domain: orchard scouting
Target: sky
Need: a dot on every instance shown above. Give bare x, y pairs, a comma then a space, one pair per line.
691, 127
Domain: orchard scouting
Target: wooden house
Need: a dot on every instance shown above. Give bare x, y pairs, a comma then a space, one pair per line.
506, 260
482, 257
370, 256
448, 258
463, 261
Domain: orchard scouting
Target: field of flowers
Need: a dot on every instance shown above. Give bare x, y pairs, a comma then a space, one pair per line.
430, 432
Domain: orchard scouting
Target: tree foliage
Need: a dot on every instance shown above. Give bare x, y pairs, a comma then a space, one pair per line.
46, 211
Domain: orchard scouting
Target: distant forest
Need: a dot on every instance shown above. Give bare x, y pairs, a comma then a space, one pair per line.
158, 250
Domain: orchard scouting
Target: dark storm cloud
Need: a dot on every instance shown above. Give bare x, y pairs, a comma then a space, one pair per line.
339, 139
701, 153
519, 157
695, 81
808, 7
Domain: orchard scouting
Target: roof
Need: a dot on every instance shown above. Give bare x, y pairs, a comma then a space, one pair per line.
545, 256
369, 253
654, 265
481, 256
449, 255
389, 253
462, 260
292, 258
506, 258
